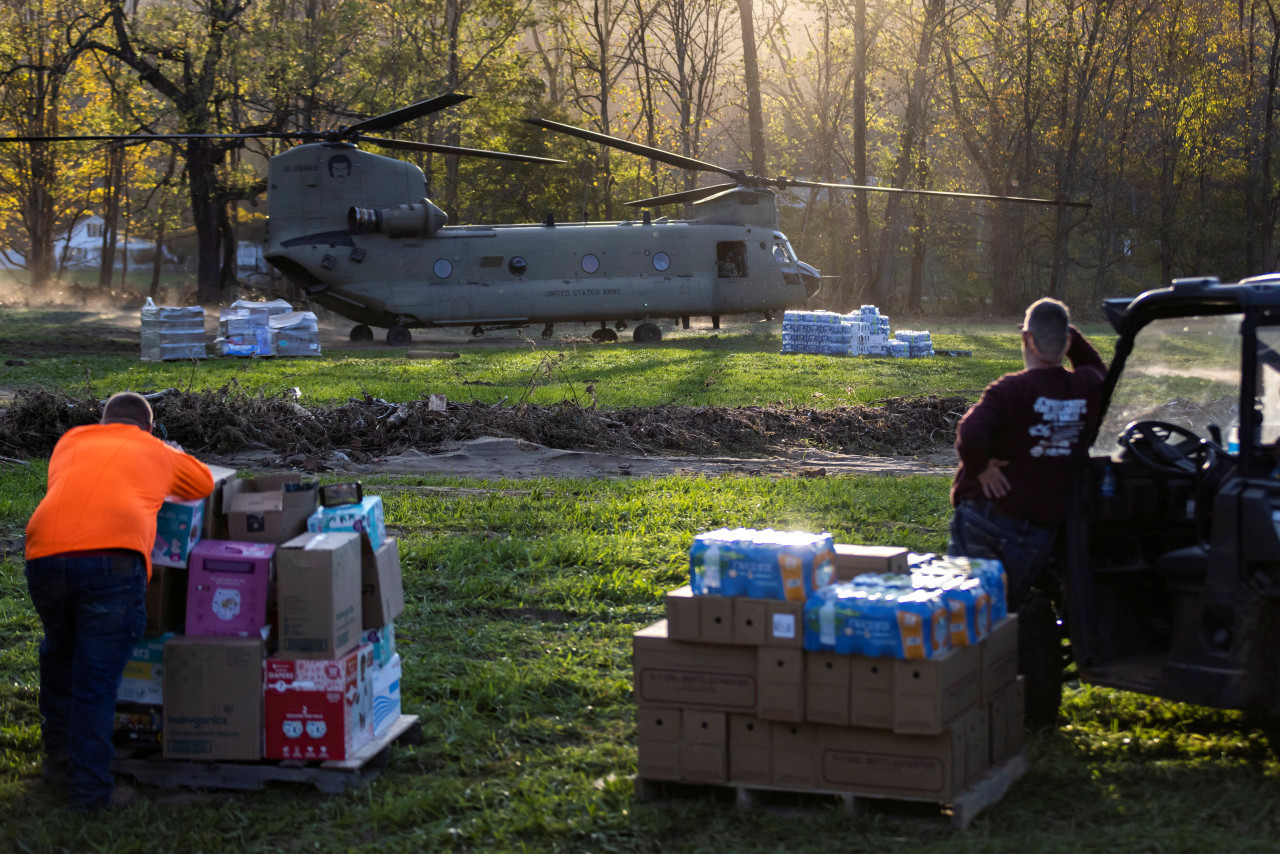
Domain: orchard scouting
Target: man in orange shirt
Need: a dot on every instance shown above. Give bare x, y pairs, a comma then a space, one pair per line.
88, 563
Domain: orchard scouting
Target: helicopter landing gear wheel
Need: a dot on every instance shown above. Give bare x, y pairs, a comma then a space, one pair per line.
399, 336
619, 325
647, 333
603, 336
548, 330
360, 332
477, 331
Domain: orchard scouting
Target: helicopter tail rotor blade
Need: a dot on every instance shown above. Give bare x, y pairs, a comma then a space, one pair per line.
695, 195
668, 157
790, 182
395, 118
410, 145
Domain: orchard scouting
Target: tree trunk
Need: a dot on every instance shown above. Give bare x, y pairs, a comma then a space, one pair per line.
110, 216
751, 79
861, 204
201, 183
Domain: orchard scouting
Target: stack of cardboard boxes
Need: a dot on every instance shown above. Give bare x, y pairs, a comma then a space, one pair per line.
726, 693
270, 627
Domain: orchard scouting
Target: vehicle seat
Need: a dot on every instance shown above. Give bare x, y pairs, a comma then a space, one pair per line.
1186, 567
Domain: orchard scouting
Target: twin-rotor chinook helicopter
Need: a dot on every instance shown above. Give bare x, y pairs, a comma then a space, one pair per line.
356, 233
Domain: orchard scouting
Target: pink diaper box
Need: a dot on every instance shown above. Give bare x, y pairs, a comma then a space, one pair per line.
228, 588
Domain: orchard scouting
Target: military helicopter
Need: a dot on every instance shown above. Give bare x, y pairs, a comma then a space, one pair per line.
357, 234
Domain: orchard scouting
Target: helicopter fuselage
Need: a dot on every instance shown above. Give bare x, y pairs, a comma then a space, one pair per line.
355, 231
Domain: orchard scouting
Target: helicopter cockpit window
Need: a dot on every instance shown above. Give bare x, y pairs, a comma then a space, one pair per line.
731, 259
442, 268
590, 263
780, 253
517, 266
1267, 395
661, 261
1184, 370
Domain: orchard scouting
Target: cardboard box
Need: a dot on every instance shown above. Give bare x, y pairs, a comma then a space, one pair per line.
704, 746
215, 514
179, 525
780, 672
879, 762
999, 653
826, 692
268, 509
386, 694
682, 614
677, 674
229, 588
792, 755
138, 725
928, 695
852, 560
143, 679
166, 600
870, 691
658, 743
318, 584
319, 710
364, 518
750, 745
1016, 717
997, 733
715, 619
213, 698
381, 587
749, 619
977, 753
784, 624
383, 641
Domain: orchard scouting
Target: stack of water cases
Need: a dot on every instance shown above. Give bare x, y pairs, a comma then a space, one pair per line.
172, 332
877, 326
822, 333
793, 662
294, 333
919, 343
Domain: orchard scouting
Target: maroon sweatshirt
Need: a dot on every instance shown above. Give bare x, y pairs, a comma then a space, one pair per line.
1037, 420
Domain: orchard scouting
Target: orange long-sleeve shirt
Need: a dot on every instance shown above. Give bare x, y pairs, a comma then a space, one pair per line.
106, 485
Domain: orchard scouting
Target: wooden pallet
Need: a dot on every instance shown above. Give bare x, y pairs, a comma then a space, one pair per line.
332, 777
749, 796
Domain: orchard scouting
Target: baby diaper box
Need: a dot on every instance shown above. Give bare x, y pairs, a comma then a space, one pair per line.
363, 518
386, 694
143, 680
319, 710
228, 588
178, 528
213, 698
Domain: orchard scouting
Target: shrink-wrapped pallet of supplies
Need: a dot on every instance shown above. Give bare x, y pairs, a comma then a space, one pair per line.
243, 331
295, 333
172, 332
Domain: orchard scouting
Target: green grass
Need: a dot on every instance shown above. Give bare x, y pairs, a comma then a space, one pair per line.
521, 599
741, 366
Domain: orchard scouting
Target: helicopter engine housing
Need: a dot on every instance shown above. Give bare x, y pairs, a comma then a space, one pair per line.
420, 220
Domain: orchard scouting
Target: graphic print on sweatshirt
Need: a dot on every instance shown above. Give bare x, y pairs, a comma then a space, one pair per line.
1060, 428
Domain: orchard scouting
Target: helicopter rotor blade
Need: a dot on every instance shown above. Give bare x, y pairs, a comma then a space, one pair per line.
791, 182
395, 118
151, 137
410, 145
695, 195
670, 158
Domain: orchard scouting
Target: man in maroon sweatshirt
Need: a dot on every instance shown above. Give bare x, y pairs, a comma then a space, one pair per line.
1021, 446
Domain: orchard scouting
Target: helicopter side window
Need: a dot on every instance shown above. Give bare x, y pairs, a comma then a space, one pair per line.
590, 263
517, 265
731, 259
442, 268
661, 261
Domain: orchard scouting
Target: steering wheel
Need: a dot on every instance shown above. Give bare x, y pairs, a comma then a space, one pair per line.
1169, 448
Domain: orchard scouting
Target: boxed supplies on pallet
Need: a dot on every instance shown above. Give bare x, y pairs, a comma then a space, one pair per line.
318, 591
694, 675
928, 695
750, 750
172, 332
877, 761
215, 519
143, 679
780, 675
294, 333
138, 725
381, 586
704, 746
319, 709
363, 518
765, 564
229, 588
658, 743
213, 698
166, 599
179, 525
243, 332
854, 560
386, 694
383, 641
268, 509
999, 657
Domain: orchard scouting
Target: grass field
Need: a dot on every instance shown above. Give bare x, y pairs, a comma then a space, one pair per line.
522, 597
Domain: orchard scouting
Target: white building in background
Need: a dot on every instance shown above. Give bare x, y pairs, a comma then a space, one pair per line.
81, 248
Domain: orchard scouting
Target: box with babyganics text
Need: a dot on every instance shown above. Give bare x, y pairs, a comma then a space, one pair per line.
319, 710
213, 698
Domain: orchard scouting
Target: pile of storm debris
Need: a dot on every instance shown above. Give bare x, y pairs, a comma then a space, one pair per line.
230, 420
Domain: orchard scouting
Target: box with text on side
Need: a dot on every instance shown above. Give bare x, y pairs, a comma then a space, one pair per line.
692, 675
213, 698
381, 587
229, 588
268, 509
364, 518
166, 600
143, 679
386, 694
179, 525
319, 710
879, 762
318, 590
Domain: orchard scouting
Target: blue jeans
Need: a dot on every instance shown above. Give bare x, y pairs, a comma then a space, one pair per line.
979, 529
93, 610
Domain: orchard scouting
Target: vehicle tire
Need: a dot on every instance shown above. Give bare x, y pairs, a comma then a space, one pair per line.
399, 336
1040, 659
647, 333
603, 336
361, 332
